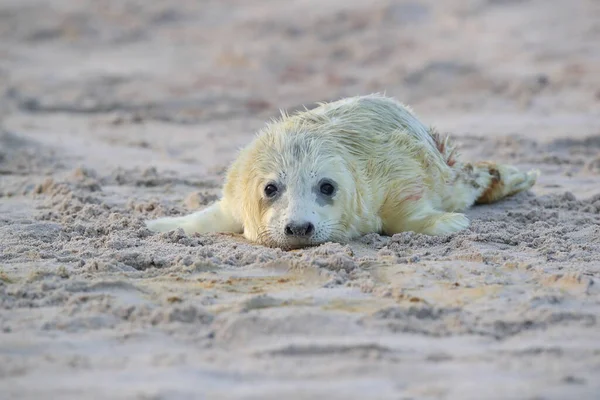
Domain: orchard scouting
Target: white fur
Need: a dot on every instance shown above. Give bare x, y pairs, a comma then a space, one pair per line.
393, 174
210, 219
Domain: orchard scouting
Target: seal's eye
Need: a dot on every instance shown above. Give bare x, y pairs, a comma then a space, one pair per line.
327, 189
270, 190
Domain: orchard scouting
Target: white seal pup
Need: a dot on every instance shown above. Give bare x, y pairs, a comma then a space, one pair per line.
344, 169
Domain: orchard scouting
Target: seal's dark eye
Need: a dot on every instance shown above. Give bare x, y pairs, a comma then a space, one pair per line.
327, 189
270, 190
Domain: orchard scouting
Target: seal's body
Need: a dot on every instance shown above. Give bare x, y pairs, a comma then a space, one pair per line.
358, 165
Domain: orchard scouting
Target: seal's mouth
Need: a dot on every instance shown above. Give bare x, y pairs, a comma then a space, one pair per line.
290, 244
297, 244
272, 238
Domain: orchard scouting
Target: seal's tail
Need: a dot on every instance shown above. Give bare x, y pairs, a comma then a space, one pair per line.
445, 146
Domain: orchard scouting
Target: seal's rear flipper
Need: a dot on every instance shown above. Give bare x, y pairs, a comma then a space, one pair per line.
485, 182
215, 218
505, 181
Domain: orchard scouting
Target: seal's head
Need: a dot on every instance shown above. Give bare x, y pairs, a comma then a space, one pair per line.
298, 191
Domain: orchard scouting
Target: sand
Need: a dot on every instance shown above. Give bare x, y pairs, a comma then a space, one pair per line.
114, 112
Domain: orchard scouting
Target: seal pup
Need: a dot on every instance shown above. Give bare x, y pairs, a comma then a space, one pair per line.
344, 169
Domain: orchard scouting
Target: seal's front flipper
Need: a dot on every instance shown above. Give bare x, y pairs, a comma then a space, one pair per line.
421, 217
215, 218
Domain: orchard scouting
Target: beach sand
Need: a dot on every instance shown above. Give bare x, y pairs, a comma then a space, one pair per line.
114, 112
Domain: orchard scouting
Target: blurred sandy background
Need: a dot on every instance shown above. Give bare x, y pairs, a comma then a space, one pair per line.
113, 112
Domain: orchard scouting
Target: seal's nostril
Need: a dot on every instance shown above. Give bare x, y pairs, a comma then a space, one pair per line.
288, 230
310, 228
301, 230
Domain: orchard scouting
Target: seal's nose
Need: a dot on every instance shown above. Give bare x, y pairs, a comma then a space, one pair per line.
302, 229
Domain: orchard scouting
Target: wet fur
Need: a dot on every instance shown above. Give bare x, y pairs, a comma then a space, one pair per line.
395, 174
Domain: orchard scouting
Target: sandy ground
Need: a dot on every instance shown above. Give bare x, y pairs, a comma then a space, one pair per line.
116, 111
